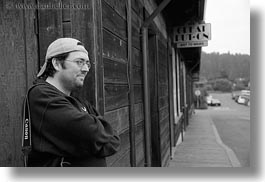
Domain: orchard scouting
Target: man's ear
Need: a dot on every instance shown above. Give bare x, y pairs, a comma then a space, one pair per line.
56, 64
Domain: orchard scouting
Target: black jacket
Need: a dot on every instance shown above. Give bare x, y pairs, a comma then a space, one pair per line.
64, 129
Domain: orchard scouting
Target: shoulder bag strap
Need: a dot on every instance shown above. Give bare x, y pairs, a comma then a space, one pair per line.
26, 128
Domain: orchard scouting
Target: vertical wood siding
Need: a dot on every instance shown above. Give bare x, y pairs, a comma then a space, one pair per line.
163, 104
116, 85
18, 64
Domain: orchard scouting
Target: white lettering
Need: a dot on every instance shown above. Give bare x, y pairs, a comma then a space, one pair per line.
26, 132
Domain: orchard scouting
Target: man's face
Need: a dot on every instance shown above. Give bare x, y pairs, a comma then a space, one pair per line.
73, 74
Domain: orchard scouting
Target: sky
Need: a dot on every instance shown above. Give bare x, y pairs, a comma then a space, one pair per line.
230, 26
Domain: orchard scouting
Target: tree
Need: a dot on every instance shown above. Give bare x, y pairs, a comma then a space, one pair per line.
223, 85
223, 74
229, 66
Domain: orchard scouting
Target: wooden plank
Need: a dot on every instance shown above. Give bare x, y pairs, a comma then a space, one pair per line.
165, 141
67, 29
165, 149
140, 154
137, 76
139, 138
164, 125
116, 96
162, 59
98, 52
137, 6
162, 53
181, 83
171, 96
136, 31
163, 90
66, 16
114, 48
113, 22
166, 158
139, 131
139, 112
115, 72
139, 116
153, 85
163, 113
138, 93
31, 44
118, 118
50, 27
152, 65
119, 6
119, 157
124, 161
162, 42
163, 74
164, 137
137, 57
13, 85
85, 24
163, 101
155, 139
131, 92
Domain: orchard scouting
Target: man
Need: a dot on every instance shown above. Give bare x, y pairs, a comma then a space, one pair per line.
65, 131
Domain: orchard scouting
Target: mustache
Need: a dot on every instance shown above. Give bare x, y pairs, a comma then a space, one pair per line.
83, 73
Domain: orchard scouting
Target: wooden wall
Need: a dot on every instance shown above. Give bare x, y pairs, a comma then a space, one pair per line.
18, 56
137, 20
158, 65
163, 100
116, 78
117, 86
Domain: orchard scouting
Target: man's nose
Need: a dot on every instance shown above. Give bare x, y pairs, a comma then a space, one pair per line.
85, 68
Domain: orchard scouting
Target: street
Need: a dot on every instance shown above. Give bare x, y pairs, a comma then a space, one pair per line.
232, 122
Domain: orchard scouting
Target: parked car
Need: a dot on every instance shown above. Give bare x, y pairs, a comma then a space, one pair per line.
245, 92
244, 99
240, 99
212, 102
247, 103
235, 94
209, 99
215, 102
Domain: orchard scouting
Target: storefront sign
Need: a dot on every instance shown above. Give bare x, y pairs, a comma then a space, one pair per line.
192, 35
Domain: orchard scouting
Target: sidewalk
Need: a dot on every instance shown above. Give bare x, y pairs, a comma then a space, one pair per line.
202, 146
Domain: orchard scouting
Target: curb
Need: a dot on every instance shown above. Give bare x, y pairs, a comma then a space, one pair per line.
230, 153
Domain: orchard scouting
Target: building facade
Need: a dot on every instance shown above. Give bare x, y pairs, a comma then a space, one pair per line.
140, 80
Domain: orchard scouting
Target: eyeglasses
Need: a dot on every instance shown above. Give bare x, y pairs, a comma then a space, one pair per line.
81, 62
